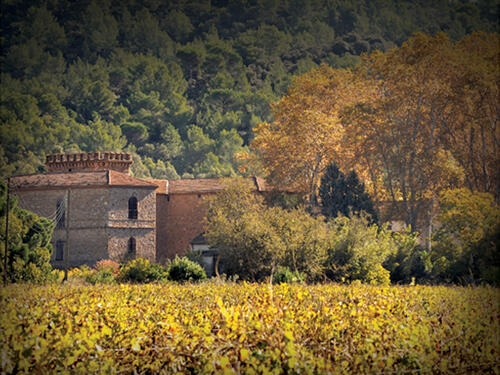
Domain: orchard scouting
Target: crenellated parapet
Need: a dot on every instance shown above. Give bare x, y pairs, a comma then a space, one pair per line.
89, 161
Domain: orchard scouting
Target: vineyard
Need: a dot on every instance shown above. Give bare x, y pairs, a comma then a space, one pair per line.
249, 329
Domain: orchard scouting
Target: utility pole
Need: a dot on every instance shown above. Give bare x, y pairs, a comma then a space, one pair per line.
66, 248
5, 261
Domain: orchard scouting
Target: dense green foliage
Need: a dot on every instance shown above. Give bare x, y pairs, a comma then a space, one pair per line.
256, 241
181, 84
253, 239
104, 272
358, 250
102, 276
225, 328
341, 195
285, 275
466, 245
183, 269
29, 247
141, 270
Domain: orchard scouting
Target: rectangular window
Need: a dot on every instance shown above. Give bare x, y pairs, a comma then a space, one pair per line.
60, 250
132, 208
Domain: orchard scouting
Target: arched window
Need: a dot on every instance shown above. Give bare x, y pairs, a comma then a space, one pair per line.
60, 250
60, 214
132, 208
131, 247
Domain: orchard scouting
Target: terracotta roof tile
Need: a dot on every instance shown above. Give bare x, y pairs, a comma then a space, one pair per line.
162, 185
201, 185
80, 179
115, 178
210, 185
122, 179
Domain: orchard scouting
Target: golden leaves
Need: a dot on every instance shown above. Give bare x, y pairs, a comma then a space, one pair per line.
410, 121
227, 328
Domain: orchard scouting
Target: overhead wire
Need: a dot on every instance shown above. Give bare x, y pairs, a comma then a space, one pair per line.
55, 216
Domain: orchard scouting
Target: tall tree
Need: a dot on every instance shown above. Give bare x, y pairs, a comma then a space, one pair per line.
29, 247
306, 133
344, 195
472, 132
399, 125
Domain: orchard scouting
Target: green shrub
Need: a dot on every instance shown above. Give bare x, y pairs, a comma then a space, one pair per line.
358, 250
29, 247
141, 270
378, 275
182, 269
103, 276
285, 275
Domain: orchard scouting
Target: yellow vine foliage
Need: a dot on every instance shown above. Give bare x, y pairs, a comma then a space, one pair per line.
249, 328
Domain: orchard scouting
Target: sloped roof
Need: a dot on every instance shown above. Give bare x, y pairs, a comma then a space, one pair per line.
209, 185
78, 179
122, 179
115, 178
199, 239
162, 185
196, 185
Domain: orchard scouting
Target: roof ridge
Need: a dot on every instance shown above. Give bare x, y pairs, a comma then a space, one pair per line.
107, 177
55, 173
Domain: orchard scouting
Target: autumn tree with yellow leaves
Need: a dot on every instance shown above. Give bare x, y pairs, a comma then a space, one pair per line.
412, 121
307, 132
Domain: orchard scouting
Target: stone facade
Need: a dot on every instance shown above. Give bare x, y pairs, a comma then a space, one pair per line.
89, 161
121, 228
167, 215
87, 228
96, 225
99, 227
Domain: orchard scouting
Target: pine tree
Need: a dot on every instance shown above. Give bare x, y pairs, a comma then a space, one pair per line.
344, 195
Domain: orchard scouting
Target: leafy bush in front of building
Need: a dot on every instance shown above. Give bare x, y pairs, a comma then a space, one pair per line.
358, 250
141, 270
465, 246
108, 264
29, 247
253, 239
285, 275
183, 269
102, 276
378, 275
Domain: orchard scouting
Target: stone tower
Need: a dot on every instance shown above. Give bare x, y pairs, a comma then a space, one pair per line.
89, 161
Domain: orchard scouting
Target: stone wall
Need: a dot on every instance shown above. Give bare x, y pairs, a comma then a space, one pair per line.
146, 204
87, 221
118, 240
162, 236
98, 222
121, 228
86, 246
41, 202
89, 161
181, 221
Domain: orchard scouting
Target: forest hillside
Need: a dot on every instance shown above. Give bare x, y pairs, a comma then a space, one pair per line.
181, 84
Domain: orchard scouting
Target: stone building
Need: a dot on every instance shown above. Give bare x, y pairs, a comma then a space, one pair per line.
102, 212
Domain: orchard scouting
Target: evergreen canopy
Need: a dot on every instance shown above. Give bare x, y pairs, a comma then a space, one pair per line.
344, 195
